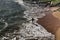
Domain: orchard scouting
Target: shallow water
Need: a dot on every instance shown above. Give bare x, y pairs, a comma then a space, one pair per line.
11, 14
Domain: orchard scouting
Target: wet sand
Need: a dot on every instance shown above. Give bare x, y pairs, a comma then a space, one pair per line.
51, 21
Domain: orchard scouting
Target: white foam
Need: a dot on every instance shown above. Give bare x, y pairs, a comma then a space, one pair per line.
31, 30
19, 1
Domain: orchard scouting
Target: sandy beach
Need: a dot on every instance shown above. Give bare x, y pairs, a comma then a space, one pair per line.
51, 21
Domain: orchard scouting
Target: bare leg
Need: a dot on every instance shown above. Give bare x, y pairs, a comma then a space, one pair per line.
57, 34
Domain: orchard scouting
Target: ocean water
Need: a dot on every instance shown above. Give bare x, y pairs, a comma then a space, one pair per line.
11, 13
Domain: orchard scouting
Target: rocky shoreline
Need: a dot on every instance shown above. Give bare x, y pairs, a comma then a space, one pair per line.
28, 29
